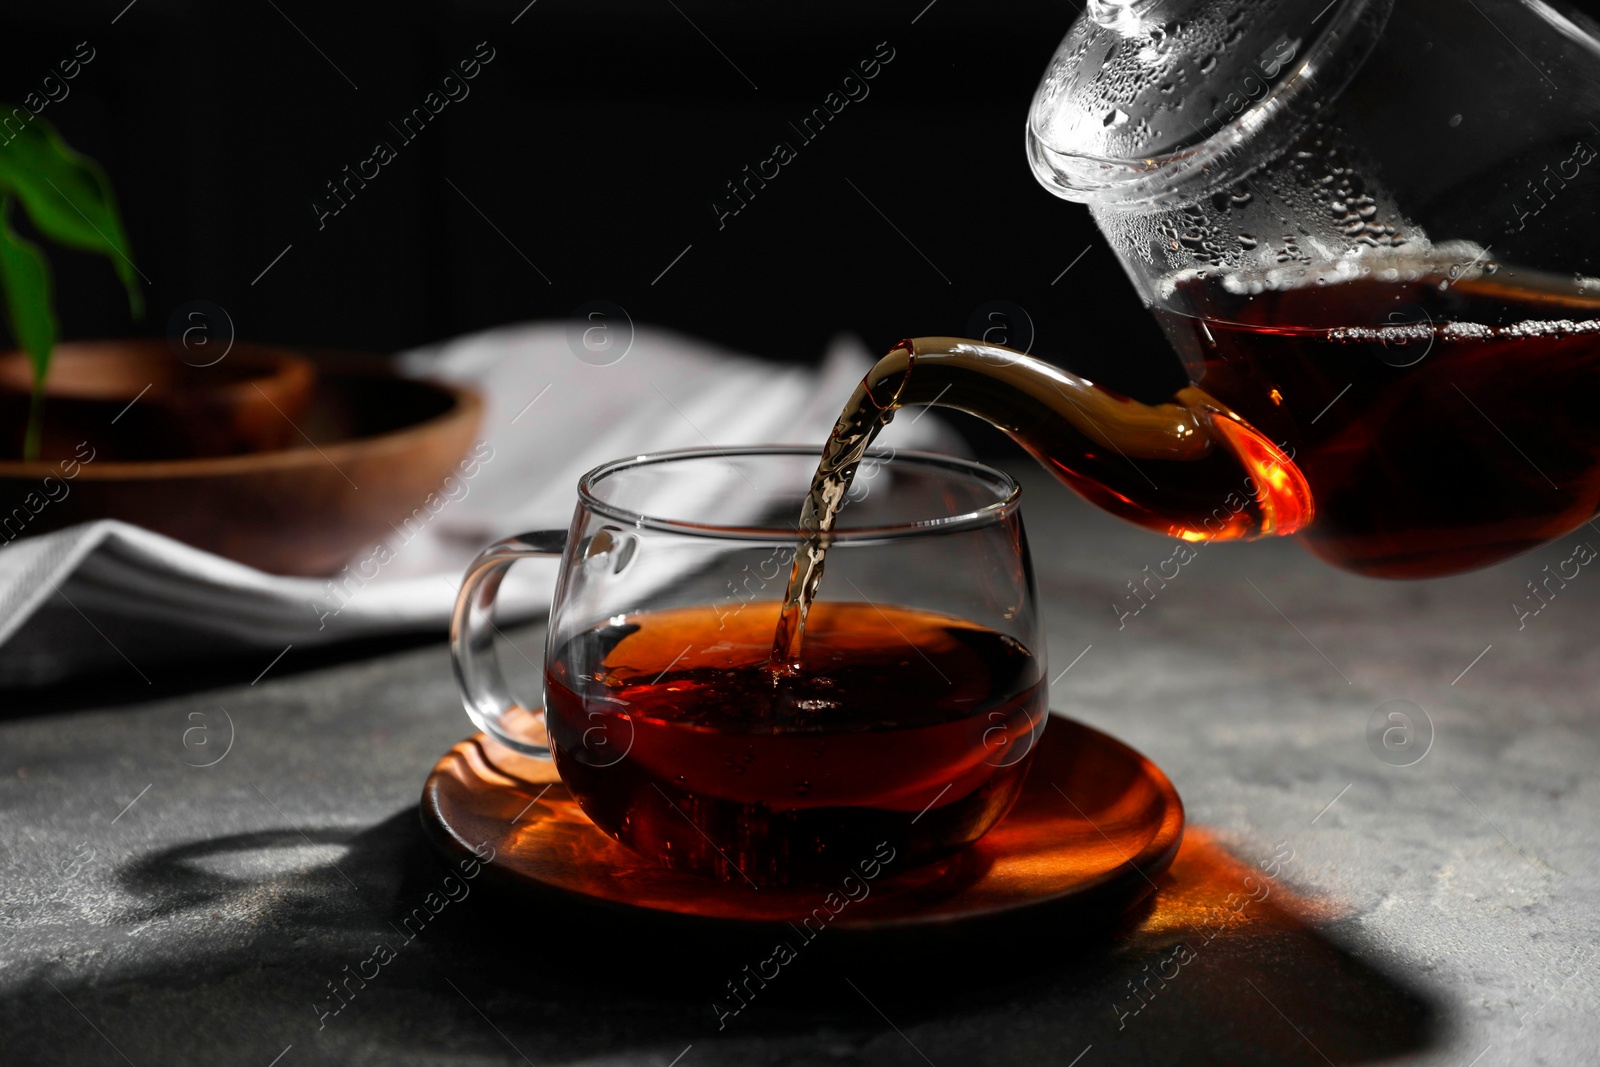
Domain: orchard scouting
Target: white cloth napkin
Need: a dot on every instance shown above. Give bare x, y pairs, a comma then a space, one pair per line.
106, 596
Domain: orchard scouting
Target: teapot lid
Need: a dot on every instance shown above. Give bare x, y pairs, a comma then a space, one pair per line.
1160, 102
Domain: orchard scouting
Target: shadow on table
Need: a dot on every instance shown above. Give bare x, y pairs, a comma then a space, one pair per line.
1226, 964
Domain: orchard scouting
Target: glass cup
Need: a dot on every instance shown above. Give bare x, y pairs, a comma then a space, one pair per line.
906, 735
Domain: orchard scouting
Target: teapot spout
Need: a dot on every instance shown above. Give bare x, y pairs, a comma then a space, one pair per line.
1190, 468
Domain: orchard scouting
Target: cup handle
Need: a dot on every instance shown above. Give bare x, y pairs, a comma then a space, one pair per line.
483, 685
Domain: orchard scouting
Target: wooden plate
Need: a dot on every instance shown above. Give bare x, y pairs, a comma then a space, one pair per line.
1096, 825
135, 399
367, 452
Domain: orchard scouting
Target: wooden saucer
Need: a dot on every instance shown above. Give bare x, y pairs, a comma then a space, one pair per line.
1096, 825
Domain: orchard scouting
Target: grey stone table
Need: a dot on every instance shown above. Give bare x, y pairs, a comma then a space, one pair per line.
154, 911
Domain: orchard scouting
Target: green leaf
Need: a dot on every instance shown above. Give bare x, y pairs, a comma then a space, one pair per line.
25, 277
68, 198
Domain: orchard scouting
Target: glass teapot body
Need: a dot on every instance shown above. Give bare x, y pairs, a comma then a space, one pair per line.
1368, 228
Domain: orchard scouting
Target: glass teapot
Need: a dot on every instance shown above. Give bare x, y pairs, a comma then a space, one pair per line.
1371, 230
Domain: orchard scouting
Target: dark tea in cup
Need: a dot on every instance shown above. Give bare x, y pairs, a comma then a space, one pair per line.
901, 726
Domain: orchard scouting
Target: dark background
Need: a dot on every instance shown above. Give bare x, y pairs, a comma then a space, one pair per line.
593, 145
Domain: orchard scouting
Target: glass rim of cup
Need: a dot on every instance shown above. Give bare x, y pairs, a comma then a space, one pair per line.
1006, 503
